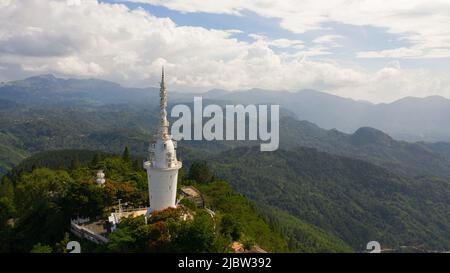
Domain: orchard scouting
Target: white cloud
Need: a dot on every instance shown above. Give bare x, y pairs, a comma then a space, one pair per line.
280, 43
234, 31
407, 53
129, 46
423, 23
392, 82
74, 66
392, 53
329, 40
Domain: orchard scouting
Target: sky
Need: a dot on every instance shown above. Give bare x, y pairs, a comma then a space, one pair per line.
373, 50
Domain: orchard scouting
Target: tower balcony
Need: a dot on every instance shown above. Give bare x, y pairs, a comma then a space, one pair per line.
174, 165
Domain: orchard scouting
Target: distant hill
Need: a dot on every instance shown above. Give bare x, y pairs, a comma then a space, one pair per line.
25, 130
7, 104
353, 199
60, 159
441, 148
47, 89
411, 119
372, 145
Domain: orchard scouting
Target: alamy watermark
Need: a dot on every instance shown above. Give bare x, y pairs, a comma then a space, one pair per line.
230, 126
74, 246
373, 247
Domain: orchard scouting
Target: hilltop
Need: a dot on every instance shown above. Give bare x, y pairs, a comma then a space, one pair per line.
40, 202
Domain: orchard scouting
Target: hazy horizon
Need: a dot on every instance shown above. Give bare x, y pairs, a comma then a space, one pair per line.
364, 50
181, 91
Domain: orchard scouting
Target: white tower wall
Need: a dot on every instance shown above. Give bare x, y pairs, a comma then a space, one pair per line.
162, 188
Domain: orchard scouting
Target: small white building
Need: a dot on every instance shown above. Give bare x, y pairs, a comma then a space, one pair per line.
115, 217
100, 178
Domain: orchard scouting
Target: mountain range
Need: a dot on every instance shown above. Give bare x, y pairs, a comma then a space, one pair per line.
341, 166
410, 118
43, 113
26, 130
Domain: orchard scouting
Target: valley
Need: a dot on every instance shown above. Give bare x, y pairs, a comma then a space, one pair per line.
334, 188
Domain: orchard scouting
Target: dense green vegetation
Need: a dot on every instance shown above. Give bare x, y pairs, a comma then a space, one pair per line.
352, 199
410, 159
167, 231
301, 236
295, 192
37, 206
39, 198
238, 218
25, 130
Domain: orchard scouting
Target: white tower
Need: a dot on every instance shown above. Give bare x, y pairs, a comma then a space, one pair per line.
100, 178
162, 165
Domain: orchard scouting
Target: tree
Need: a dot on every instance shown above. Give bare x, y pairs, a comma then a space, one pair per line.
95, 160
39, 200
61, 247
84, 200
38, 248
75, 164
196, 235
229, 227
126, 154
136, 165
7, 209
248, 244
6, 187
200, 172
121, 240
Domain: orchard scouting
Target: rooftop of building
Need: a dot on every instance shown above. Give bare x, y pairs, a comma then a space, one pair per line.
190, 191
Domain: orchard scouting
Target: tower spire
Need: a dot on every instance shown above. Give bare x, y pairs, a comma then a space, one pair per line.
163, 123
